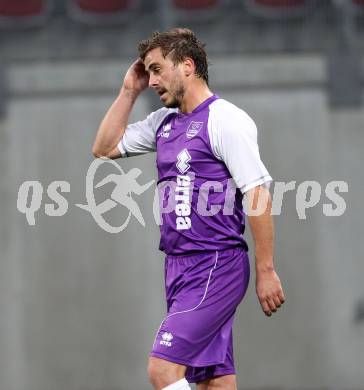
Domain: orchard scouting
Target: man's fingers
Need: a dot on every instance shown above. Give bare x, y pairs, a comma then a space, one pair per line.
281, 297
272, 305
277, 301
266, 308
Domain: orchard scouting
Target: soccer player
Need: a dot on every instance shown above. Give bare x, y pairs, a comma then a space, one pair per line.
208, 161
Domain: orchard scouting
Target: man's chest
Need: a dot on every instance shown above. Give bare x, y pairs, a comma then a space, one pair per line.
183, 145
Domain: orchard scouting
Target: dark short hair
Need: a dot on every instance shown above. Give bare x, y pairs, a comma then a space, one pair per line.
180, 43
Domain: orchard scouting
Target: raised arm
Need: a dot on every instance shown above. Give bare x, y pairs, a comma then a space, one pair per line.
113, 125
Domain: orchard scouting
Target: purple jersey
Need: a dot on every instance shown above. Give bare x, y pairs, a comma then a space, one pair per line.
200, 185
206, 160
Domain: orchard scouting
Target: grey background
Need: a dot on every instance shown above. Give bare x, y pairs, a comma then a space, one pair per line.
79, 307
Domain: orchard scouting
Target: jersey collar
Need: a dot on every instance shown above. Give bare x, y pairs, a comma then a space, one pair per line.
201, 106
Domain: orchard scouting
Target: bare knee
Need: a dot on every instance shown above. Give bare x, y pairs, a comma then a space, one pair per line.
225, 382
162, 373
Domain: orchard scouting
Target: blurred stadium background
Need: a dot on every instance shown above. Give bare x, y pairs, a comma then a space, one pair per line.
79, 307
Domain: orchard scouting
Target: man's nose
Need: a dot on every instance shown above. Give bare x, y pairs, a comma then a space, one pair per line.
152, 81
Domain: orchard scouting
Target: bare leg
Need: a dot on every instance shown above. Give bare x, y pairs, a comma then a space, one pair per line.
162, 373
225, 382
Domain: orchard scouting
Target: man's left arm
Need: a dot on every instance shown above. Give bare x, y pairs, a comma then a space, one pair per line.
234, 140
268, 285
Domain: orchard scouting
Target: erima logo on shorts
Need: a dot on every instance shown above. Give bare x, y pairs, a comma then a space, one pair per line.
166, 339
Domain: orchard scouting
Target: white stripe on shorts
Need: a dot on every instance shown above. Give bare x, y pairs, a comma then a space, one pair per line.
194, 308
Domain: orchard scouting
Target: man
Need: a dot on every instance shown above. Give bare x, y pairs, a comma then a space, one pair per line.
203, 144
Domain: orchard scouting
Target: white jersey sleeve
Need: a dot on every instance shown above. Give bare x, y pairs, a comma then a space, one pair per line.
139, 137
233, 138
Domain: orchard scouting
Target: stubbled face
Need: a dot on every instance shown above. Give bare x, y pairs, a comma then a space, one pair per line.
165, 78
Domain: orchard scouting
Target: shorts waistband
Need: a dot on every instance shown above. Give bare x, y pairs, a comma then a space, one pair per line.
190, 255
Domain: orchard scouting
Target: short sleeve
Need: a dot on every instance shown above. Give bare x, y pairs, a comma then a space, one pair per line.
233, 137
139, 137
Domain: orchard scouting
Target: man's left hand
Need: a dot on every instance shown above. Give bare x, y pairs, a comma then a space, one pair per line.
269, 291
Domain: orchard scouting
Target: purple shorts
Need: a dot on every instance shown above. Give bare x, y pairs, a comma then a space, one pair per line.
203, 292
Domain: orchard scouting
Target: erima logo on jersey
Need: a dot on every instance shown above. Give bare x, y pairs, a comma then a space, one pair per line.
193, 129
183, 158
165, 132
183, 203
166, 339
182, 192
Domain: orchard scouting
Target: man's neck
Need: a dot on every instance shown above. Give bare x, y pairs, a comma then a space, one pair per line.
194, 96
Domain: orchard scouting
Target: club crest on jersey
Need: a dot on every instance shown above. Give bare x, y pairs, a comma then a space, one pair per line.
193, 129
183, 158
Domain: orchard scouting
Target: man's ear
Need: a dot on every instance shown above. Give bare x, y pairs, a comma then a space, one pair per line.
188, 67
